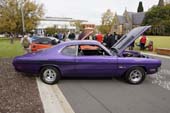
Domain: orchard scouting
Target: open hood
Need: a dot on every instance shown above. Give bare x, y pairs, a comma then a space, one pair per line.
127, 39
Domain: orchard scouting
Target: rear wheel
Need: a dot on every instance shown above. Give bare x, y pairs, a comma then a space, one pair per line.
135, 75
50, 75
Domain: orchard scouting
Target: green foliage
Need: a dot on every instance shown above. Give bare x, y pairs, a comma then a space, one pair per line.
50, 30
159, 18
104, 28
78, 25
10, 11
107, 21
140, 7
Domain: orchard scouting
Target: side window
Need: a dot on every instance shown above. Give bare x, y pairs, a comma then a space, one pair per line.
37, 41
42, 41
69, 51
45, 41
91, 50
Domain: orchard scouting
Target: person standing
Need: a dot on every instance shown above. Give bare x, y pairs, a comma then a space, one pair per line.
115, 37
99, 37
11, 38
64, 35
112, 40
105, 40
72, 36
60, 36
81, 35
56, 35
25, 42
132, 45
142, 42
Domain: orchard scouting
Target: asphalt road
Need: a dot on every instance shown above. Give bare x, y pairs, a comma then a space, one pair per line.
116, 96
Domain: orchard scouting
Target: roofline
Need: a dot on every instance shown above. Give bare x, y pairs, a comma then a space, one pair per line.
73, 42
82, 41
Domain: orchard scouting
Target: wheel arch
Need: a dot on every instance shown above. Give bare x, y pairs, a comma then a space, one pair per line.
143, 67
50, 65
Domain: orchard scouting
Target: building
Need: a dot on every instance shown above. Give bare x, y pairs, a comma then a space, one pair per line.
58, 22
124, 23
88, 25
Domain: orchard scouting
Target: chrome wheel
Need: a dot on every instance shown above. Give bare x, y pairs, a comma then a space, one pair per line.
135, 76
49, 75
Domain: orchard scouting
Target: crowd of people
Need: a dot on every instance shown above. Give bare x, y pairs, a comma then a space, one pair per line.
110, 39
107, 40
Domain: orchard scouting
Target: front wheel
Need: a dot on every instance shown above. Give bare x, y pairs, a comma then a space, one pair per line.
50, 75
135, 75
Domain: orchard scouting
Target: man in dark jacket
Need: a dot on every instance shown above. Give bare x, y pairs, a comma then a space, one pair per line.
72, 36
105, 40
109, 40
112, 40
81, 35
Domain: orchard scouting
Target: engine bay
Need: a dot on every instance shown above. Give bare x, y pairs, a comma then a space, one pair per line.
134, 54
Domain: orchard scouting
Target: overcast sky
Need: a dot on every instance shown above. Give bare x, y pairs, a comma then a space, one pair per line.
91, 10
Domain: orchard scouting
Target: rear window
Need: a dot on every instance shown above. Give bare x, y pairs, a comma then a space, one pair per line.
42, 41
70, 51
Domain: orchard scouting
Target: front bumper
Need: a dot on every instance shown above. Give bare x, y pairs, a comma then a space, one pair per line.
154, 70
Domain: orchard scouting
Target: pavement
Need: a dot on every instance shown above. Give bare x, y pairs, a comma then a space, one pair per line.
110, 95
52, 99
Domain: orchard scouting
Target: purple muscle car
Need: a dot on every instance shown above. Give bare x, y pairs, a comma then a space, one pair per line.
85, 58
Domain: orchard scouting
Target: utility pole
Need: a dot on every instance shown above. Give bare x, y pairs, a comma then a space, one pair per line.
22, 15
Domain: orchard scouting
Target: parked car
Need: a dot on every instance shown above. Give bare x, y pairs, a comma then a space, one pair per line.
35, 38
69, 59
43, 43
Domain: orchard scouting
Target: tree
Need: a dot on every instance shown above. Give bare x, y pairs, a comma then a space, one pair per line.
107, 21
50, 30
161, 3
10, 15
77, 24
158, 17
140, 7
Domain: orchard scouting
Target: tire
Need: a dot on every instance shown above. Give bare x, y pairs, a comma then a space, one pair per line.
50, 75
135, 75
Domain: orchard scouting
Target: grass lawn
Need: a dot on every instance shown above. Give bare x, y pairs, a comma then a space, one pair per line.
158, 41
10, 50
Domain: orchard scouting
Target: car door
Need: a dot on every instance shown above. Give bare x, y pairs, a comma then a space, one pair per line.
95, 65
67, 60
